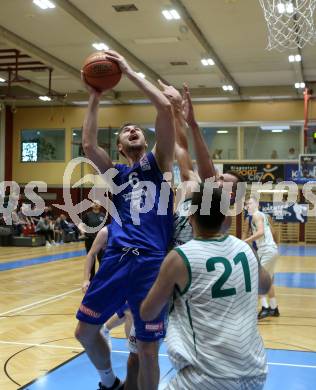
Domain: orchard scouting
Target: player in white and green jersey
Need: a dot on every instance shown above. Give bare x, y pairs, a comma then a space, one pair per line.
267, 252
212, 335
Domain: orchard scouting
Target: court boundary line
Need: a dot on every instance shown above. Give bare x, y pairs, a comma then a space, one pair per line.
36, 303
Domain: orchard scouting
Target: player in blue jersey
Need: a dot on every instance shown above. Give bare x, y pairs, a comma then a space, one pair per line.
136, 246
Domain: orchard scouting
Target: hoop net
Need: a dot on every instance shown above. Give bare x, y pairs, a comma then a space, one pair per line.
290, 23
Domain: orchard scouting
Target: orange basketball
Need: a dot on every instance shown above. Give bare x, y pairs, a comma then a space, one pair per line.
100, 72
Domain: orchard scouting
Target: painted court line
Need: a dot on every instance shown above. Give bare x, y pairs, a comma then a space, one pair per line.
31, 305
127, 352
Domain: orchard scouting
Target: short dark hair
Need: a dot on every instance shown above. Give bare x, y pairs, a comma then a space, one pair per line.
213, 221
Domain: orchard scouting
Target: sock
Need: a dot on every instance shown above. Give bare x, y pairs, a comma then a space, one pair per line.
264, 302
107, 377
105, 328
273, 303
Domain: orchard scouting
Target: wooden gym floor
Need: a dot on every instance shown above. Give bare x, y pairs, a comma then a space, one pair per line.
41, 289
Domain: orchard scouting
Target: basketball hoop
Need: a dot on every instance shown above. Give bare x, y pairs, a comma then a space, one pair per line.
290, 23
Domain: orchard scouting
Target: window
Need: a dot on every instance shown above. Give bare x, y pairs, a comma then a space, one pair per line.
272, 142
221, 142
42, 145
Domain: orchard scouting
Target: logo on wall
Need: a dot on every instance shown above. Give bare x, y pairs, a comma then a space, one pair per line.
285, 212
292, 172
258, 172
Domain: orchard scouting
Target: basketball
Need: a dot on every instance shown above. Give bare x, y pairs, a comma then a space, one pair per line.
100, 72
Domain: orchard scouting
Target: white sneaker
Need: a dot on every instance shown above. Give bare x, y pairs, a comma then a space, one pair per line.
48, 245
106, 335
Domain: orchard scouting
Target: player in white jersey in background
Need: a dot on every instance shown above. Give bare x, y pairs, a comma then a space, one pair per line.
267, 252
212, 336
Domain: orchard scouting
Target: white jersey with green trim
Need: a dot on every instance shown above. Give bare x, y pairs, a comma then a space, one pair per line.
266, 243
213, 322
182, 228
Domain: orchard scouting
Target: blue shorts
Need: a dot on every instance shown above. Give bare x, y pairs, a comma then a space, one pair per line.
125, 274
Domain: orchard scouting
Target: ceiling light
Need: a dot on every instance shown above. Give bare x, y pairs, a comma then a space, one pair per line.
281, 8
270, 128
277, 131
228, 87
171, 14
174, 13
45, 98
2, 80
207, 61
289, 7
100, 46
299, 85
167, 14
298, 58
222, 131
140, 74
44, 4
295, 58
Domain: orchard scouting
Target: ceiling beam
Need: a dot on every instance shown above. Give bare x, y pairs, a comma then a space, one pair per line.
36, 52
104, 36
224, 75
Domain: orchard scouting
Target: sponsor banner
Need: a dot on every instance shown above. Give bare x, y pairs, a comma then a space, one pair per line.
285, 212
308, 166
292, 173
258, 172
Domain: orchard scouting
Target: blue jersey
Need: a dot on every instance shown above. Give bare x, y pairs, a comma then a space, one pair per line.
151, 230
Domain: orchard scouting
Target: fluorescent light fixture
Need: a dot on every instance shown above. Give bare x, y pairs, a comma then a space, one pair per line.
270, 128
45, 98
295, 58
289, 7
167, 14
277, 131
299, 85
44, 4
204, 61
207, 62
2, 80
228, 87
273, 191
174, 13
140, 74
222, 131
298, 58
171, 14
100, 46
281, 8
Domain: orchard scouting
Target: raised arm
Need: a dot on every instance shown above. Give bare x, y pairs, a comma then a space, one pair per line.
165, 128
181, 147
204, 162
172, 272
90, 133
